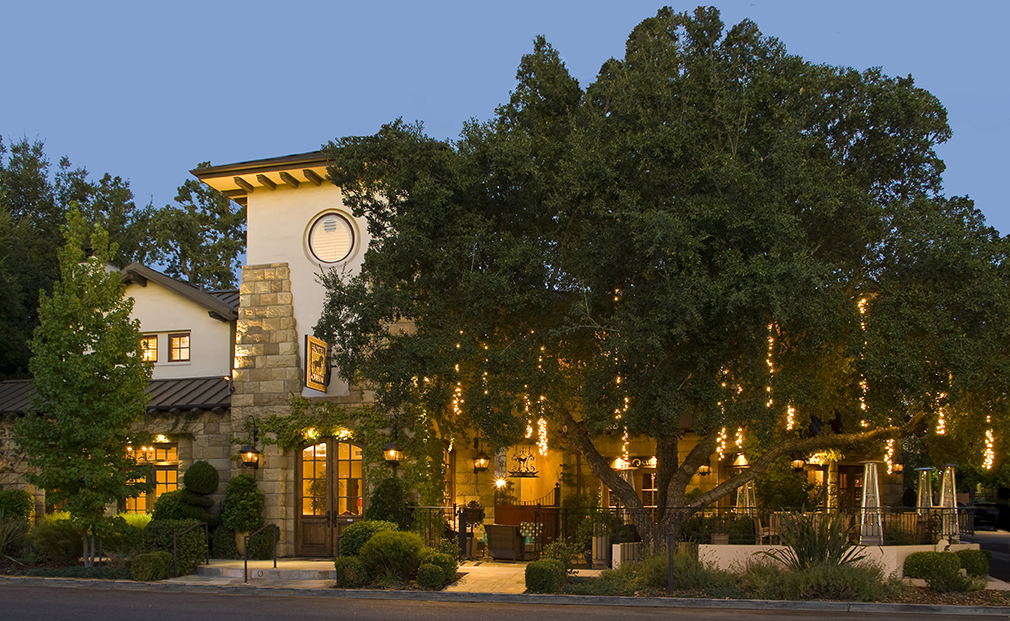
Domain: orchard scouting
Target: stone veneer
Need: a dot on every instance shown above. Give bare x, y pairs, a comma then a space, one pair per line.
267, 372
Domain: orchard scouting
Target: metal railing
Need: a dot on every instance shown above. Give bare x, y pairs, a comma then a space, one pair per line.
175, 545
245, 547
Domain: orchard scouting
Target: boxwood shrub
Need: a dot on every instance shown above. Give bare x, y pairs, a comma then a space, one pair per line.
392, 552
151, 566
545, 576
976, 562
430, 576
192, 545
351, 572
922, 564
357, 535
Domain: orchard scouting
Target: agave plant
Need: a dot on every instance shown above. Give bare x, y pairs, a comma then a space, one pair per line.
815, 539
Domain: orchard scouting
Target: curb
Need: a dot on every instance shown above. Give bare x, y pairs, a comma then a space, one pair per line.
511, 598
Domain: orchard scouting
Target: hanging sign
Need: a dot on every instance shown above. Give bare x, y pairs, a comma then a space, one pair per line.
316, 363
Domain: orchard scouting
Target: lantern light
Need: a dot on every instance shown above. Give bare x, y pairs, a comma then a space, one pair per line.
741, 461
250, 456
704, 470
392, 454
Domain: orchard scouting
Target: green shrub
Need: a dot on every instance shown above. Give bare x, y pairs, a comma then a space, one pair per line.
544, 576
446, 562
392, 552
688, 574
222, 543
17, 503
850, 582
124, 537
169, 506
975, 562
201, 478
430, 576
387, 502
565, 551
151, 566
196, 500
815, 540
242, 509
192, 546
357, 535
13, 529
57, 539
351, 572
922, 564
261, 545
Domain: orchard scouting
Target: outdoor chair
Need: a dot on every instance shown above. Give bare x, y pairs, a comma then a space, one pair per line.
504, 541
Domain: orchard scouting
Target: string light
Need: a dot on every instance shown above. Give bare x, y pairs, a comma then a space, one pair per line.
889, 456
989, 456
941, 421
720, 442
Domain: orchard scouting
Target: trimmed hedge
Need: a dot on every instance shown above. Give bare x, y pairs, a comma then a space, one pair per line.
192, 545
261, 545
357, 535
17, 503
169, 506
392, 552
922, 564
351, 572
430, 576
151, 566
222, 543
975, 562
545, 576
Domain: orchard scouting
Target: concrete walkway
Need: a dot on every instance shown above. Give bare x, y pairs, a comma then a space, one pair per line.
479, 576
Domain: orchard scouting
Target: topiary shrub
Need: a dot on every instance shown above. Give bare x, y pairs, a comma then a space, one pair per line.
261, 545
242, 509
357, 535
975, 562
151, 566
392, 552
351, 572
544, 576
430, 576
169, 506
222, 543
921, 564
192, 545
201, 478
57, 539
17, 503
447, 562
387, 502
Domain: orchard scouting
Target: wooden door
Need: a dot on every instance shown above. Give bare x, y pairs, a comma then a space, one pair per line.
330, 495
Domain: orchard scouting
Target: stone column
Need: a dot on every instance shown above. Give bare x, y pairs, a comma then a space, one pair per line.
267, 372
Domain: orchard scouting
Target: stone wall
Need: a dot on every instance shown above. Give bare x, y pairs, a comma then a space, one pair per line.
267, 372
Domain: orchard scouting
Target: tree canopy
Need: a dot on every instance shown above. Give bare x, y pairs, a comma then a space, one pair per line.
90, 382
713, 235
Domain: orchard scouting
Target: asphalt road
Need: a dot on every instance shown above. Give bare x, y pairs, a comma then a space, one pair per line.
33, 603
997, 542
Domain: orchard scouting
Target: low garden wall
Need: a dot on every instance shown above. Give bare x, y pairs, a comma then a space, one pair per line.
890, 558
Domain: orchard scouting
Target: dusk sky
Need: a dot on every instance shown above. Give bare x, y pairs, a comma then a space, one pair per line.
147, 90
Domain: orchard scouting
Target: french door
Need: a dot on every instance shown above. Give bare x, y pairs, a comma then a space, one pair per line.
329, 495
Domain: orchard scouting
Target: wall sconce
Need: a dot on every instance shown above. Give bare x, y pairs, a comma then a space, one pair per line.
250, 456
798, 462
392, 454
704, 470
481, 462
897, 467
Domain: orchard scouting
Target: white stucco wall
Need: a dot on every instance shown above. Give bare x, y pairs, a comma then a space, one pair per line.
277, 223
164, 312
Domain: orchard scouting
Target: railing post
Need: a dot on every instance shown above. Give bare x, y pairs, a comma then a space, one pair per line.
461, 531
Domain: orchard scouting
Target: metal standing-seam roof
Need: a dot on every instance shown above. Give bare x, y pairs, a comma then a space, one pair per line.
183, 394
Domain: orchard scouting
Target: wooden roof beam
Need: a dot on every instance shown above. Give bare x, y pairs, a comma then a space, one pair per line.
242, 183
289, 180
266, 182
312, 176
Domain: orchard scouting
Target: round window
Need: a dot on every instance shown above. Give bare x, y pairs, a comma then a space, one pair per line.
331, 238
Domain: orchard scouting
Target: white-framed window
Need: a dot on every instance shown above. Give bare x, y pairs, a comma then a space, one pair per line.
178, 347
330, 238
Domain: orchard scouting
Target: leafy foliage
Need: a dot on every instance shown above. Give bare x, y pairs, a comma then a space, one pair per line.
707, 202
242, 509
394, 552
222, 543
356, 535
17, 503
261, 545
201, 478
975, 562
90, 380
57, 538
192, 546
921, 564
351, 572
13, 529
544, 576
388, 501
430, 576
152, 566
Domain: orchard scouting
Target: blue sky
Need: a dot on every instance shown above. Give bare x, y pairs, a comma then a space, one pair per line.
147, 90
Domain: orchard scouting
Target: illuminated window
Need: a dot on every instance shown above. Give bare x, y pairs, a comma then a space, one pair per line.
165, 458
178, 347
349, 501
149, 348
314, 479
649, 491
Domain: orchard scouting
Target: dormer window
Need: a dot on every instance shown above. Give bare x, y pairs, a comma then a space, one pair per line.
149, 348
178, 347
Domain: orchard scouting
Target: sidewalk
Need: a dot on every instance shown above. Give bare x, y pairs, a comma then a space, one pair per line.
479, 576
